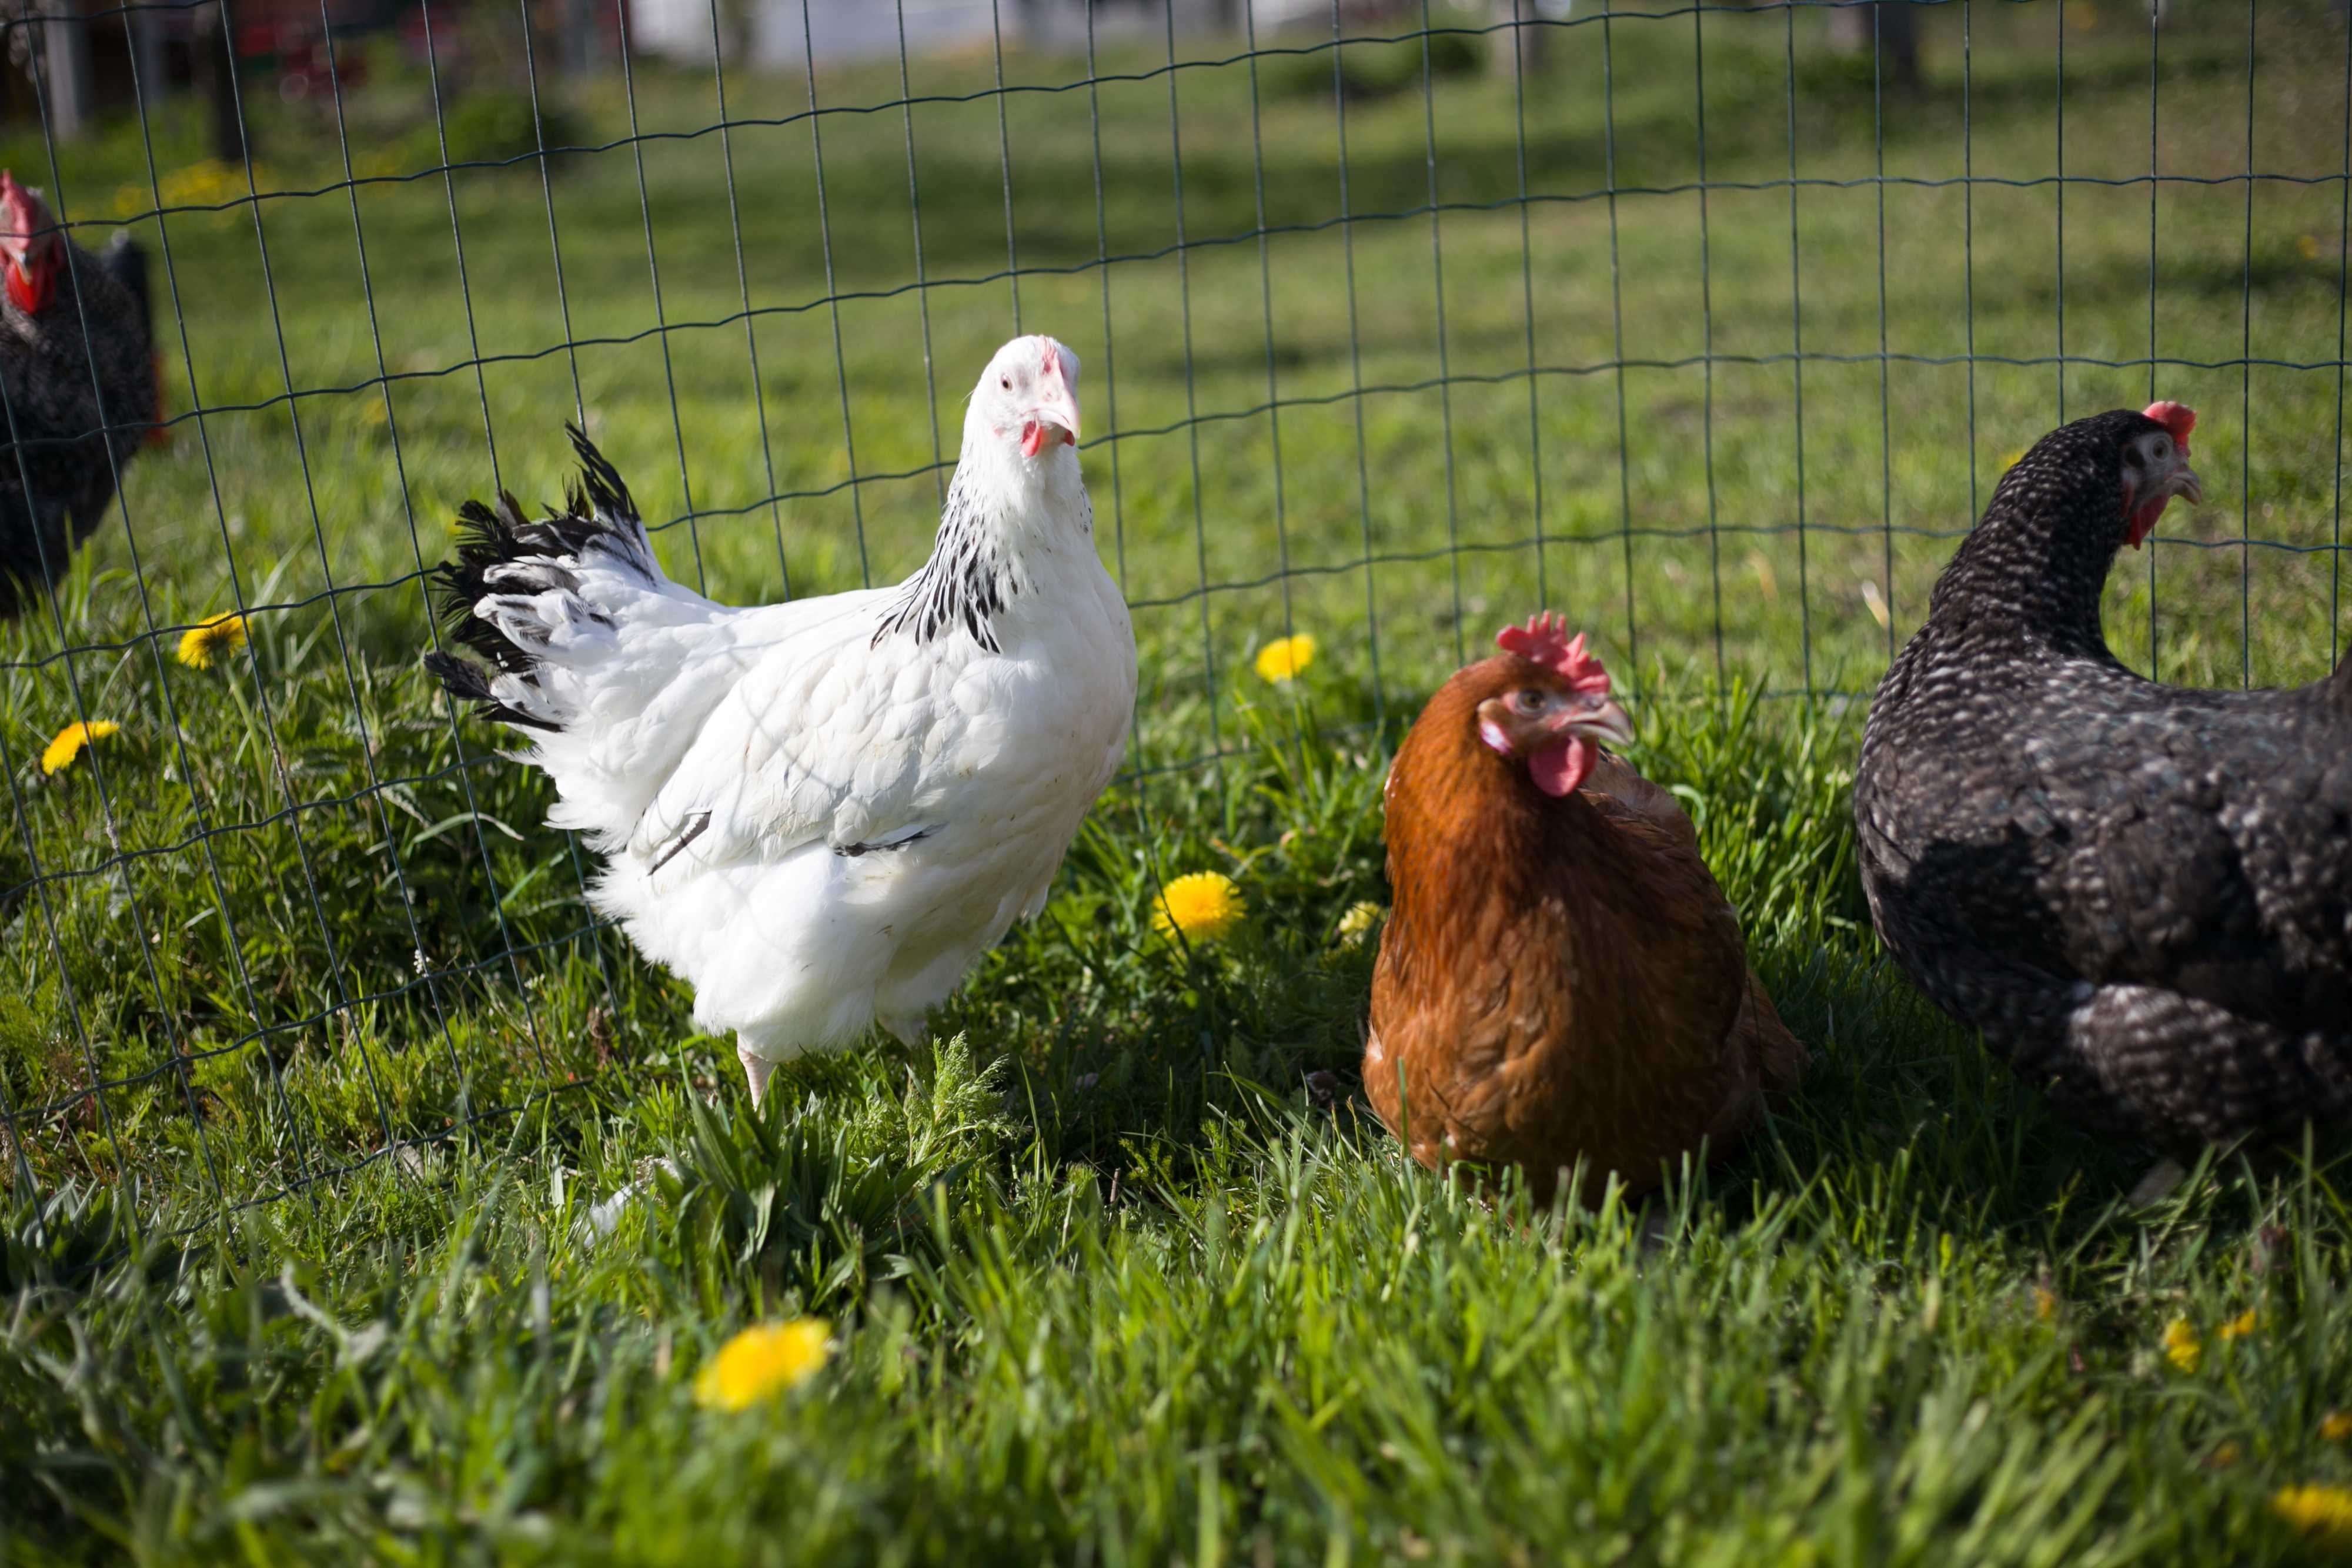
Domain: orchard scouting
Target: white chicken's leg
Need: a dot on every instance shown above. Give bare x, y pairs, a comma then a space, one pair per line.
907, 1029
756, 1069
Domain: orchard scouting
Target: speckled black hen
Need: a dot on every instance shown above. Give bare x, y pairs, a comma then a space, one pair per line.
78, 369
2141, 894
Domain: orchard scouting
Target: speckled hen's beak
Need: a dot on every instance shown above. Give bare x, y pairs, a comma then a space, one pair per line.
2180, 481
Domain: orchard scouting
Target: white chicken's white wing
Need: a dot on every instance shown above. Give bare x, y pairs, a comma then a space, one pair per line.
825, 738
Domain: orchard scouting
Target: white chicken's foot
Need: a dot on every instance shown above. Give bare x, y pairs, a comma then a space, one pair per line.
603, 1219
2158, 1184
756, 1069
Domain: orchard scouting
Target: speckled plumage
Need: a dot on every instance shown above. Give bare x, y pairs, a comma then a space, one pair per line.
2142, 894
60, 448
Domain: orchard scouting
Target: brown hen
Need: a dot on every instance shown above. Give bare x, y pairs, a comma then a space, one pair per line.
1560, 980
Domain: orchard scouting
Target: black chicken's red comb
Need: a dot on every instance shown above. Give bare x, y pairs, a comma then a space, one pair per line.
2176, 417
1544, 640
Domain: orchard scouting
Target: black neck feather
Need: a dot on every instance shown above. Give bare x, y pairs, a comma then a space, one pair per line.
967, 582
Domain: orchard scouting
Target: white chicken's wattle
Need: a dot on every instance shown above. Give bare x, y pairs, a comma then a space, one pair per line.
820, 813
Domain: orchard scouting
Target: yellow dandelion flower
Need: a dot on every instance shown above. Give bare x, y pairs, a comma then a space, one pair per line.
1358, 923
2335, 1427
2323, 1514
1284, 658
1203, 906
68, 745
761, 1363
2012, 459
2180, 1347
207, 640
2238, 1327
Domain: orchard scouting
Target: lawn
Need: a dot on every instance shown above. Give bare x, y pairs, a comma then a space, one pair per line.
1118, 1270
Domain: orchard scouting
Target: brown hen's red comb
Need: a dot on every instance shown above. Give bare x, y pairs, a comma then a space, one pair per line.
2176, 417
1544, 640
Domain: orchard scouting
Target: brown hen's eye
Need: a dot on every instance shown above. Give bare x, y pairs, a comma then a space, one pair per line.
1530, 701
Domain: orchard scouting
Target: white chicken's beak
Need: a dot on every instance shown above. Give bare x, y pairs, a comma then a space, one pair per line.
1606, 723
1053, 416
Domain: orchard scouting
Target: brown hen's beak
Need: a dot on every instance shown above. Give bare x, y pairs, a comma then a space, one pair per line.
1606, 723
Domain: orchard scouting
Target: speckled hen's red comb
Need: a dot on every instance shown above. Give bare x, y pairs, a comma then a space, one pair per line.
1544, 640
21, 214
2176, 417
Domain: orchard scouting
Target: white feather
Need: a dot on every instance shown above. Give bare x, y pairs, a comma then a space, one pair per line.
818, 826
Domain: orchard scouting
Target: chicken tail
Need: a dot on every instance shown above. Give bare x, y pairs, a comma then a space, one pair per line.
2339, 688
1780, 1057
584, 642
559, 608
1771, 1064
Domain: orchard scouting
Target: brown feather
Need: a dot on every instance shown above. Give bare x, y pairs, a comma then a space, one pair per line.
1561, 980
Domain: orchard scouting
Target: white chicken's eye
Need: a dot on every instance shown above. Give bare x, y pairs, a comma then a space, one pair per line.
1005, 382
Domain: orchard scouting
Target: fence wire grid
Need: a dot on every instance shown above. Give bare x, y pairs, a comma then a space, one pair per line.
1711, 325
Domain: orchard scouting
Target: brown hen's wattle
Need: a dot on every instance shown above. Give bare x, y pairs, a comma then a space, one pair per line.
1561, 982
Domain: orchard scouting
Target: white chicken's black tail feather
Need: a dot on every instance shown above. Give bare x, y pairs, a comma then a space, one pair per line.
531, 573
464, 679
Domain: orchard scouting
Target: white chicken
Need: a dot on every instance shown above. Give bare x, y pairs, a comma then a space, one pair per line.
820, 813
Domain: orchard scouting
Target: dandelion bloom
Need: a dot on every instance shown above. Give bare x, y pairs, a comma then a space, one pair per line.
71, 739
1358, 923
2180, 1347
2323, 1514
2336, 1426
1203, 906
1283, 658
208, 640
2238, 1327
761, 1363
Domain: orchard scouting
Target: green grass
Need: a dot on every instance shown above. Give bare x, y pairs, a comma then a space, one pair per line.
1110, 1280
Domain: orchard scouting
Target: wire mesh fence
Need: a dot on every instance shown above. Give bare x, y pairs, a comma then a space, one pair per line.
1709, 325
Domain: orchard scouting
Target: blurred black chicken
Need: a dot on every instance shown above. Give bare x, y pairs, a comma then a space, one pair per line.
2141, 894
74, 328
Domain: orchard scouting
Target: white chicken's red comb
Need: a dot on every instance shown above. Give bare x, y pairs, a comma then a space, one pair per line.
1544, 640
2176, 417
